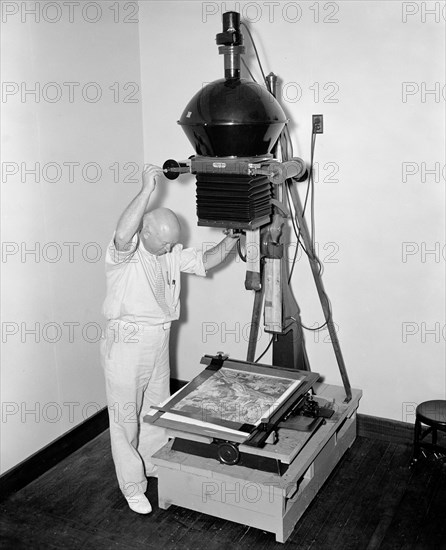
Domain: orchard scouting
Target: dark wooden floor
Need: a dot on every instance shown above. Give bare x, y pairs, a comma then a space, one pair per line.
372, 500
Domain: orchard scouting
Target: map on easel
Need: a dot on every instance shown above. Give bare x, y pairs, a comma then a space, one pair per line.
235, 396
230, 400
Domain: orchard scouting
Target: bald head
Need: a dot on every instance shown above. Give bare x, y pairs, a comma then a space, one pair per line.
160, 231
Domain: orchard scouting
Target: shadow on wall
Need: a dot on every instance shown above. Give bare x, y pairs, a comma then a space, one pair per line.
185, 305
176, 326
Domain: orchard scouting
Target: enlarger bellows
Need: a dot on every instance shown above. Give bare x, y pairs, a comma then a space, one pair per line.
234, 201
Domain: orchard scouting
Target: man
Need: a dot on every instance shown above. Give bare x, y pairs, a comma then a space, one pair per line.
143, 266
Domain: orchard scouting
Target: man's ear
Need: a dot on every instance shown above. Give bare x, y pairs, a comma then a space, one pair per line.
145, 229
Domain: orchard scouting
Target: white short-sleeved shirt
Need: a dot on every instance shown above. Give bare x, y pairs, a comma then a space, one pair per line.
130, 278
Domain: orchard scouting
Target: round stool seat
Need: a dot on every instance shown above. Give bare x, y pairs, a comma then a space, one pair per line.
432, 413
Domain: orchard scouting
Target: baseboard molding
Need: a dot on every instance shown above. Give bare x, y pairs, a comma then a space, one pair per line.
43, 460
393, 431
176, 385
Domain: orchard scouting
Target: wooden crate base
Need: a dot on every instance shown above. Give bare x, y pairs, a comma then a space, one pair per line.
259, 499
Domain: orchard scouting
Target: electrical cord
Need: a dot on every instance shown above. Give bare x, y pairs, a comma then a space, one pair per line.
265, 350
297, 230
288, 148
243, 257
256, 52
249, 71
311, 178
239, 251
286, 145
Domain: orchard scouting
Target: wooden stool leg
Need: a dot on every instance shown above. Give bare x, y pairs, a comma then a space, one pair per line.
434, 435
416, 441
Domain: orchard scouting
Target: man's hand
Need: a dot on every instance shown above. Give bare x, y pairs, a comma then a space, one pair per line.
217, 254
233, 233
150, 177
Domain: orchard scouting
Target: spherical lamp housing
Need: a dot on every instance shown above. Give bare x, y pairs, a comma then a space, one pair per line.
233, 118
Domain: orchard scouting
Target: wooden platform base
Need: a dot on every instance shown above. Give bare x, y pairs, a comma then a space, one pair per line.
259, 499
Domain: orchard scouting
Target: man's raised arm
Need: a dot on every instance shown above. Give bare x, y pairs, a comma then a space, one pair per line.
130, 219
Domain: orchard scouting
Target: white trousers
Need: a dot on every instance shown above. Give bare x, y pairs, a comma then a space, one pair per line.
135, 359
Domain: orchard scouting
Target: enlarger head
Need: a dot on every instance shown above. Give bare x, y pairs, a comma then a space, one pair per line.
232, 117
233, 124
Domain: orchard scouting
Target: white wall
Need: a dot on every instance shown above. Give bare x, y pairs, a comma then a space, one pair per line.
373, 227
51, 379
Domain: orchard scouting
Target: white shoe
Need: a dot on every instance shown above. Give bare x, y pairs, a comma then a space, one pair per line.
139, 503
